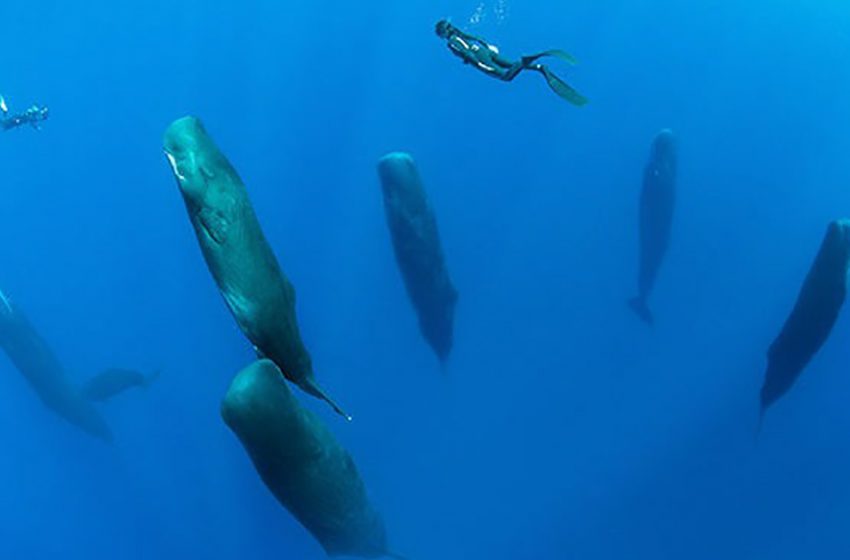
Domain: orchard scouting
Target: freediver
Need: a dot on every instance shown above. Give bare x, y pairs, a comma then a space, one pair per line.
485, 57
32, 116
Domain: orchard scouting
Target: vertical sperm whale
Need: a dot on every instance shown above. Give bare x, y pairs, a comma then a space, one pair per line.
243, 265
813, 316
657, 201
302, 464
418, 251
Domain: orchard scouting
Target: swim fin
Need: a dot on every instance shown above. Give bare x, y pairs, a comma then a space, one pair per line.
562, 88
563, 55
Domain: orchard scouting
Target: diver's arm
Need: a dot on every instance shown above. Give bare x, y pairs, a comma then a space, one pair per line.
469, 38
462, 49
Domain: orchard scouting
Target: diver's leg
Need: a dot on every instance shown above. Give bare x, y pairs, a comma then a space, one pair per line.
528, 61
525, 63
565, 56
513, 71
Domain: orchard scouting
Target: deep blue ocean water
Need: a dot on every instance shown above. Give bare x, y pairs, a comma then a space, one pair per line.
562, 427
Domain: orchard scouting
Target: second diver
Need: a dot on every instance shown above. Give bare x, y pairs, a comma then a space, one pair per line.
33, 116
485, 57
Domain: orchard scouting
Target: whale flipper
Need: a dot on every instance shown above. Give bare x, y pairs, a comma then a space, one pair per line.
149, 380
115, 381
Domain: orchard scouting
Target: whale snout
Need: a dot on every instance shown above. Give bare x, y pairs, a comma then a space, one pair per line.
664, 145
838, 235
183, 134
183, 143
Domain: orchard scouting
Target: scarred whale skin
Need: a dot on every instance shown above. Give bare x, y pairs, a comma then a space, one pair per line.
418, 251
813, 316
302, 464
34, 358
258, 294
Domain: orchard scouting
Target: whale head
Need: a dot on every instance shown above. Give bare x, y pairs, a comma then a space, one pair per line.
194, 158
664, 145
837, 242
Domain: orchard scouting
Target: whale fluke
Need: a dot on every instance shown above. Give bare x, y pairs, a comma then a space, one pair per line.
639, 306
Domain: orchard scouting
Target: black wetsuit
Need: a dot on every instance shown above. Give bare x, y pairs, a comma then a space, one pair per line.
486, 58
31, 116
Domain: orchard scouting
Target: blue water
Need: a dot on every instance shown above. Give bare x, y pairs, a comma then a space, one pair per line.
562, 426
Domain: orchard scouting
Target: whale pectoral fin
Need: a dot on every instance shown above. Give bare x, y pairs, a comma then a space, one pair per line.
151, 378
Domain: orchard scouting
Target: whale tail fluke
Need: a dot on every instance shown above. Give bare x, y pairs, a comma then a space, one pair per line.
150, 379
638, 305
311, 387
